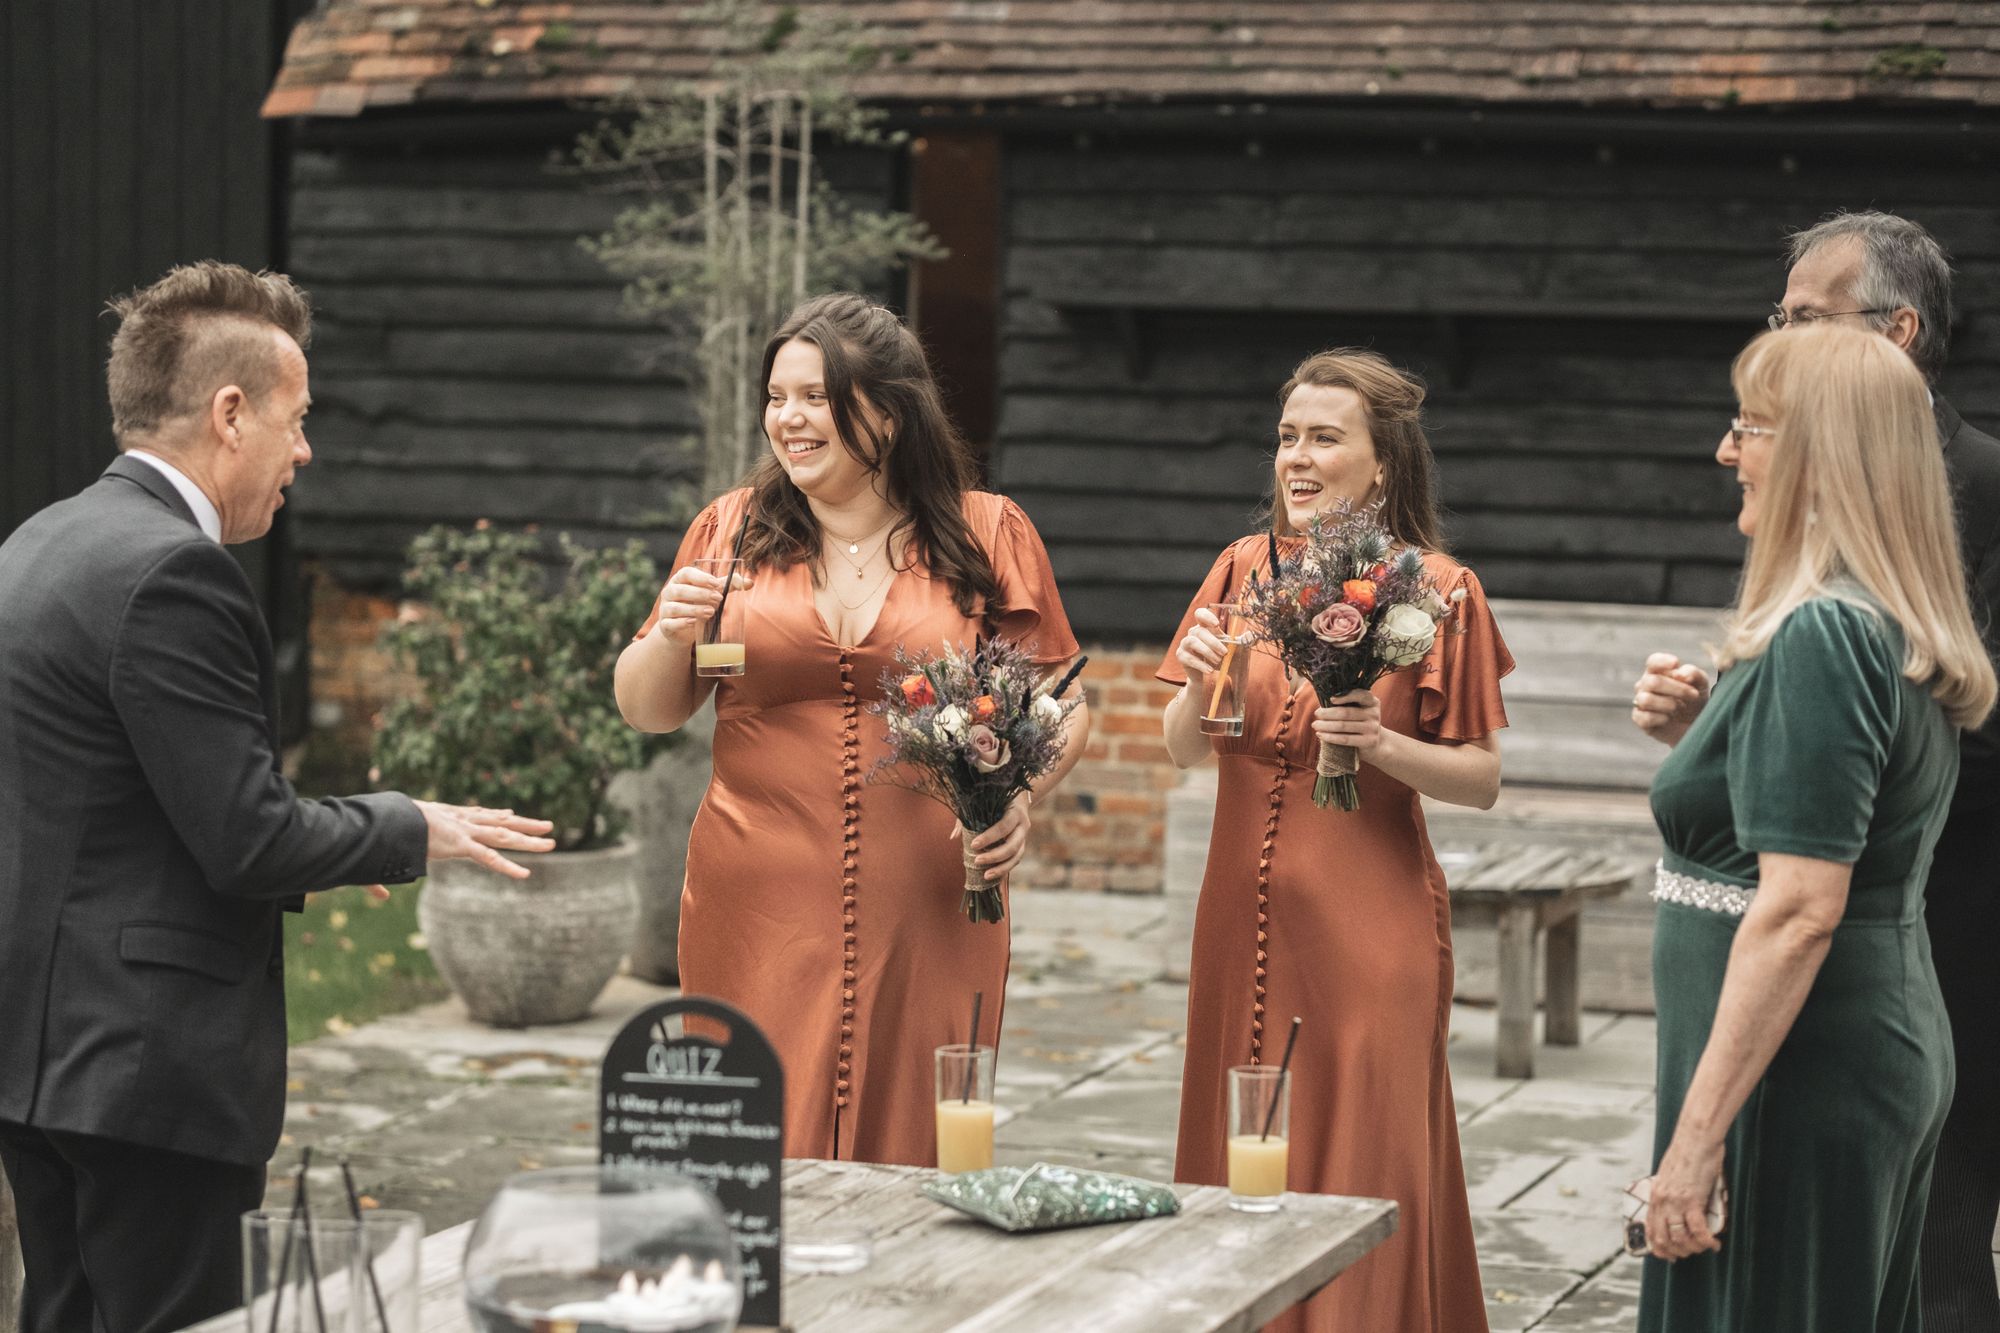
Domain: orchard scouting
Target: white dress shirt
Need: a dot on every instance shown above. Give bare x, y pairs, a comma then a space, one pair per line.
203, 507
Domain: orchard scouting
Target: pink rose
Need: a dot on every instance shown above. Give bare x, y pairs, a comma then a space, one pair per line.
989, 755
1341, 624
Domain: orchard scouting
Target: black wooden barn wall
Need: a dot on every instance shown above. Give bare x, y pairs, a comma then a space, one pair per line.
473, 361
1573, 307
129, 142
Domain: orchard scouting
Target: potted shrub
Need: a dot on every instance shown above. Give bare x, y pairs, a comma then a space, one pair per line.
513, 708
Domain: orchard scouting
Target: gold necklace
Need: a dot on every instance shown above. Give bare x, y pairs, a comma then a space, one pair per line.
865, 597
855, 543
860, 567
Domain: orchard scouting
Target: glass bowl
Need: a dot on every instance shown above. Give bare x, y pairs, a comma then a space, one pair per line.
622, 1249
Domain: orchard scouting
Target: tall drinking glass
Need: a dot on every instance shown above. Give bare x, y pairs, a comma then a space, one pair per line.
720, 652
1222, 689
325, 1272
964, 1108
1260, 1099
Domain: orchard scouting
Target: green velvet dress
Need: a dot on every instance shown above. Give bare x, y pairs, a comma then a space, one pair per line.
1817, 748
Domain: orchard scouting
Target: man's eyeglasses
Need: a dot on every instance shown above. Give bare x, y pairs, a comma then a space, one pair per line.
1738, 428
1784, 319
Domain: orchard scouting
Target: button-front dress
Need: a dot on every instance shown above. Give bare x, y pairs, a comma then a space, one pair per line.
1342, 919
826, 907
1820, 748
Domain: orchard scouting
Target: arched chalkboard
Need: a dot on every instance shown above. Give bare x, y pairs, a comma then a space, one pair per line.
712, 1107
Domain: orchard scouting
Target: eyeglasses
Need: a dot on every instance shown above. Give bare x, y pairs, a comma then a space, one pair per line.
1782, 319
1737, 430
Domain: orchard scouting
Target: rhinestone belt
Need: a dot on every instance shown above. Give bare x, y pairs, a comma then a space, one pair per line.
1670, 886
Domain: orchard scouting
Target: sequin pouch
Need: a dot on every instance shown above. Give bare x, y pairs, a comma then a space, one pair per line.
1044, 1197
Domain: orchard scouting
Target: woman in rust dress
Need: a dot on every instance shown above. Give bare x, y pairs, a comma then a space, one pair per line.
1342, 918
824, 907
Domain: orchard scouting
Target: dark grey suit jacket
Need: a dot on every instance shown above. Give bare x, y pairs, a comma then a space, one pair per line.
147, 836
1972, 461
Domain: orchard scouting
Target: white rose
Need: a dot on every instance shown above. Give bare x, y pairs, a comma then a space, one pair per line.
950, 724
1405, 634
1047, 711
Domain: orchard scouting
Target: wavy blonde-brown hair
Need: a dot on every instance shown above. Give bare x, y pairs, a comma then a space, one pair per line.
1856, 491
1393, 401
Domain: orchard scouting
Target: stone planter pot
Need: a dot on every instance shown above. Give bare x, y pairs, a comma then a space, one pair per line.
539, 950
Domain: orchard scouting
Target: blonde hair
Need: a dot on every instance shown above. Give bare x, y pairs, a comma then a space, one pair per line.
1856, 491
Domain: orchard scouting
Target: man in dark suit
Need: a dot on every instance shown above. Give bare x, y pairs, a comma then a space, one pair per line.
147, 837
1892, 274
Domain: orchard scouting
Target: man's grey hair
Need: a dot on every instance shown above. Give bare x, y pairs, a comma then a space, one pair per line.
1901, 265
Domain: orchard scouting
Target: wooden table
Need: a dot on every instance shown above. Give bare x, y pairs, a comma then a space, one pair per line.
1530, 888
1206, 1268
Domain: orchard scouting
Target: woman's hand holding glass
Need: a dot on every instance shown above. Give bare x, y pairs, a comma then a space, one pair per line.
1201, 648
688, 602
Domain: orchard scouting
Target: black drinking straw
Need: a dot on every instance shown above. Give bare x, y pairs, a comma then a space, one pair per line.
291, 1232
304, 1209
972, 1045
735, 554
1284, 1067
354, 1208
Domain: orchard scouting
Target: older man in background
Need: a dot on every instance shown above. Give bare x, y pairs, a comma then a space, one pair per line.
1891, 274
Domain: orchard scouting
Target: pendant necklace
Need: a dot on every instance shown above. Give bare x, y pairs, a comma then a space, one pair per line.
854, 545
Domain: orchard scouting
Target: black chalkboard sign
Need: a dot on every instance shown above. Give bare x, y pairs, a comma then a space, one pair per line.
711, 1107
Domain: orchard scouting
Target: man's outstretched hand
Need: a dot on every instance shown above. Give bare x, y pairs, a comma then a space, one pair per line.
472, 833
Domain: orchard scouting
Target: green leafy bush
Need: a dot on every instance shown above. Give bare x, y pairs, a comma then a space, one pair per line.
514, 668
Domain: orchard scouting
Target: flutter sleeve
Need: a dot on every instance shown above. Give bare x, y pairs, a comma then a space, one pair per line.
1810, 733
700, 541
1219, 586
1034, 613
1458, 689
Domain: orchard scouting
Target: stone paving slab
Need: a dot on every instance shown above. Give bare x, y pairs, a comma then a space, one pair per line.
434, 1111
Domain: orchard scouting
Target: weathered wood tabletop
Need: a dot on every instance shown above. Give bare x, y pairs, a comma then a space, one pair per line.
1206, 1268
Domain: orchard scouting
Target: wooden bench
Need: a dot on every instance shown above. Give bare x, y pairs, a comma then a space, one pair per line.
1533, 889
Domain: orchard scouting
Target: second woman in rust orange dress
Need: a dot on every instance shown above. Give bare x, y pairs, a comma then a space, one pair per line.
824, 907
1342, 918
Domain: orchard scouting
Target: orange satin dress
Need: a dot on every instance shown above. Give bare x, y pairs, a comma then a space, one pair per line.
1342, 919
825, 907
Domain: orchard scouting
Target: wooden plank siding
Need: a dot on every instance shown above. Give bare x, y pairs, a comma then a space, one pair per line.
472, 361
129, 142
1574, 308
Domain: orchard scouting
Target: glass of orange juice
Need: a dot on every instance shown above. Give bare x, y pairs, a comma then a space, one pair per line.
964, 1108
720, 652
1260, 1098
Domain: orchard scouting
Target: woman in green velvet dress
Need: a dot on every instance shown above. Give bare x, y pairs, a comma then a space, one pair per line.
1804, 1058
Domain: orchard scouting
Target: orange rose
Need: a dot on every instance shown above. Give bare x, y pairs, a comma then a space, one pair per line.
983, 708
1310, 595
917, 692
1359, 592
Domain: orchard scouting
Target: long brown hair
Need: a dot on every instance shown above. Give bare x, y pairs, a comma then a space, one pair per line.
1393, 400
925, 464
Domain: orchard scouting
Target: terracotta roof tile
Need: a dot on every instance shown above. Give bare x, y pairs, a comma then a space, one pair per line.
354, 54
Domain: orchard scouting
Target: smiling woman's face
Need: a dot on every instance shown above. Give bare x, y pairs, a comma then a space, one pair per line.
1325, 453
798, 420
1750, 458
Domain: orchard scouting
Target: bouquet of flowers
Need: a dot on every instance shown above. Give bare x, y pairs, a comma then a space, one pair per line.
972, 731
1352, 608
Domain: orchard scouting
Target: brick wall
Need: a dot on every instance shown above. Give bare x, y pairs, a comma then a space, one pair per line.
351, 677
1103, 828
